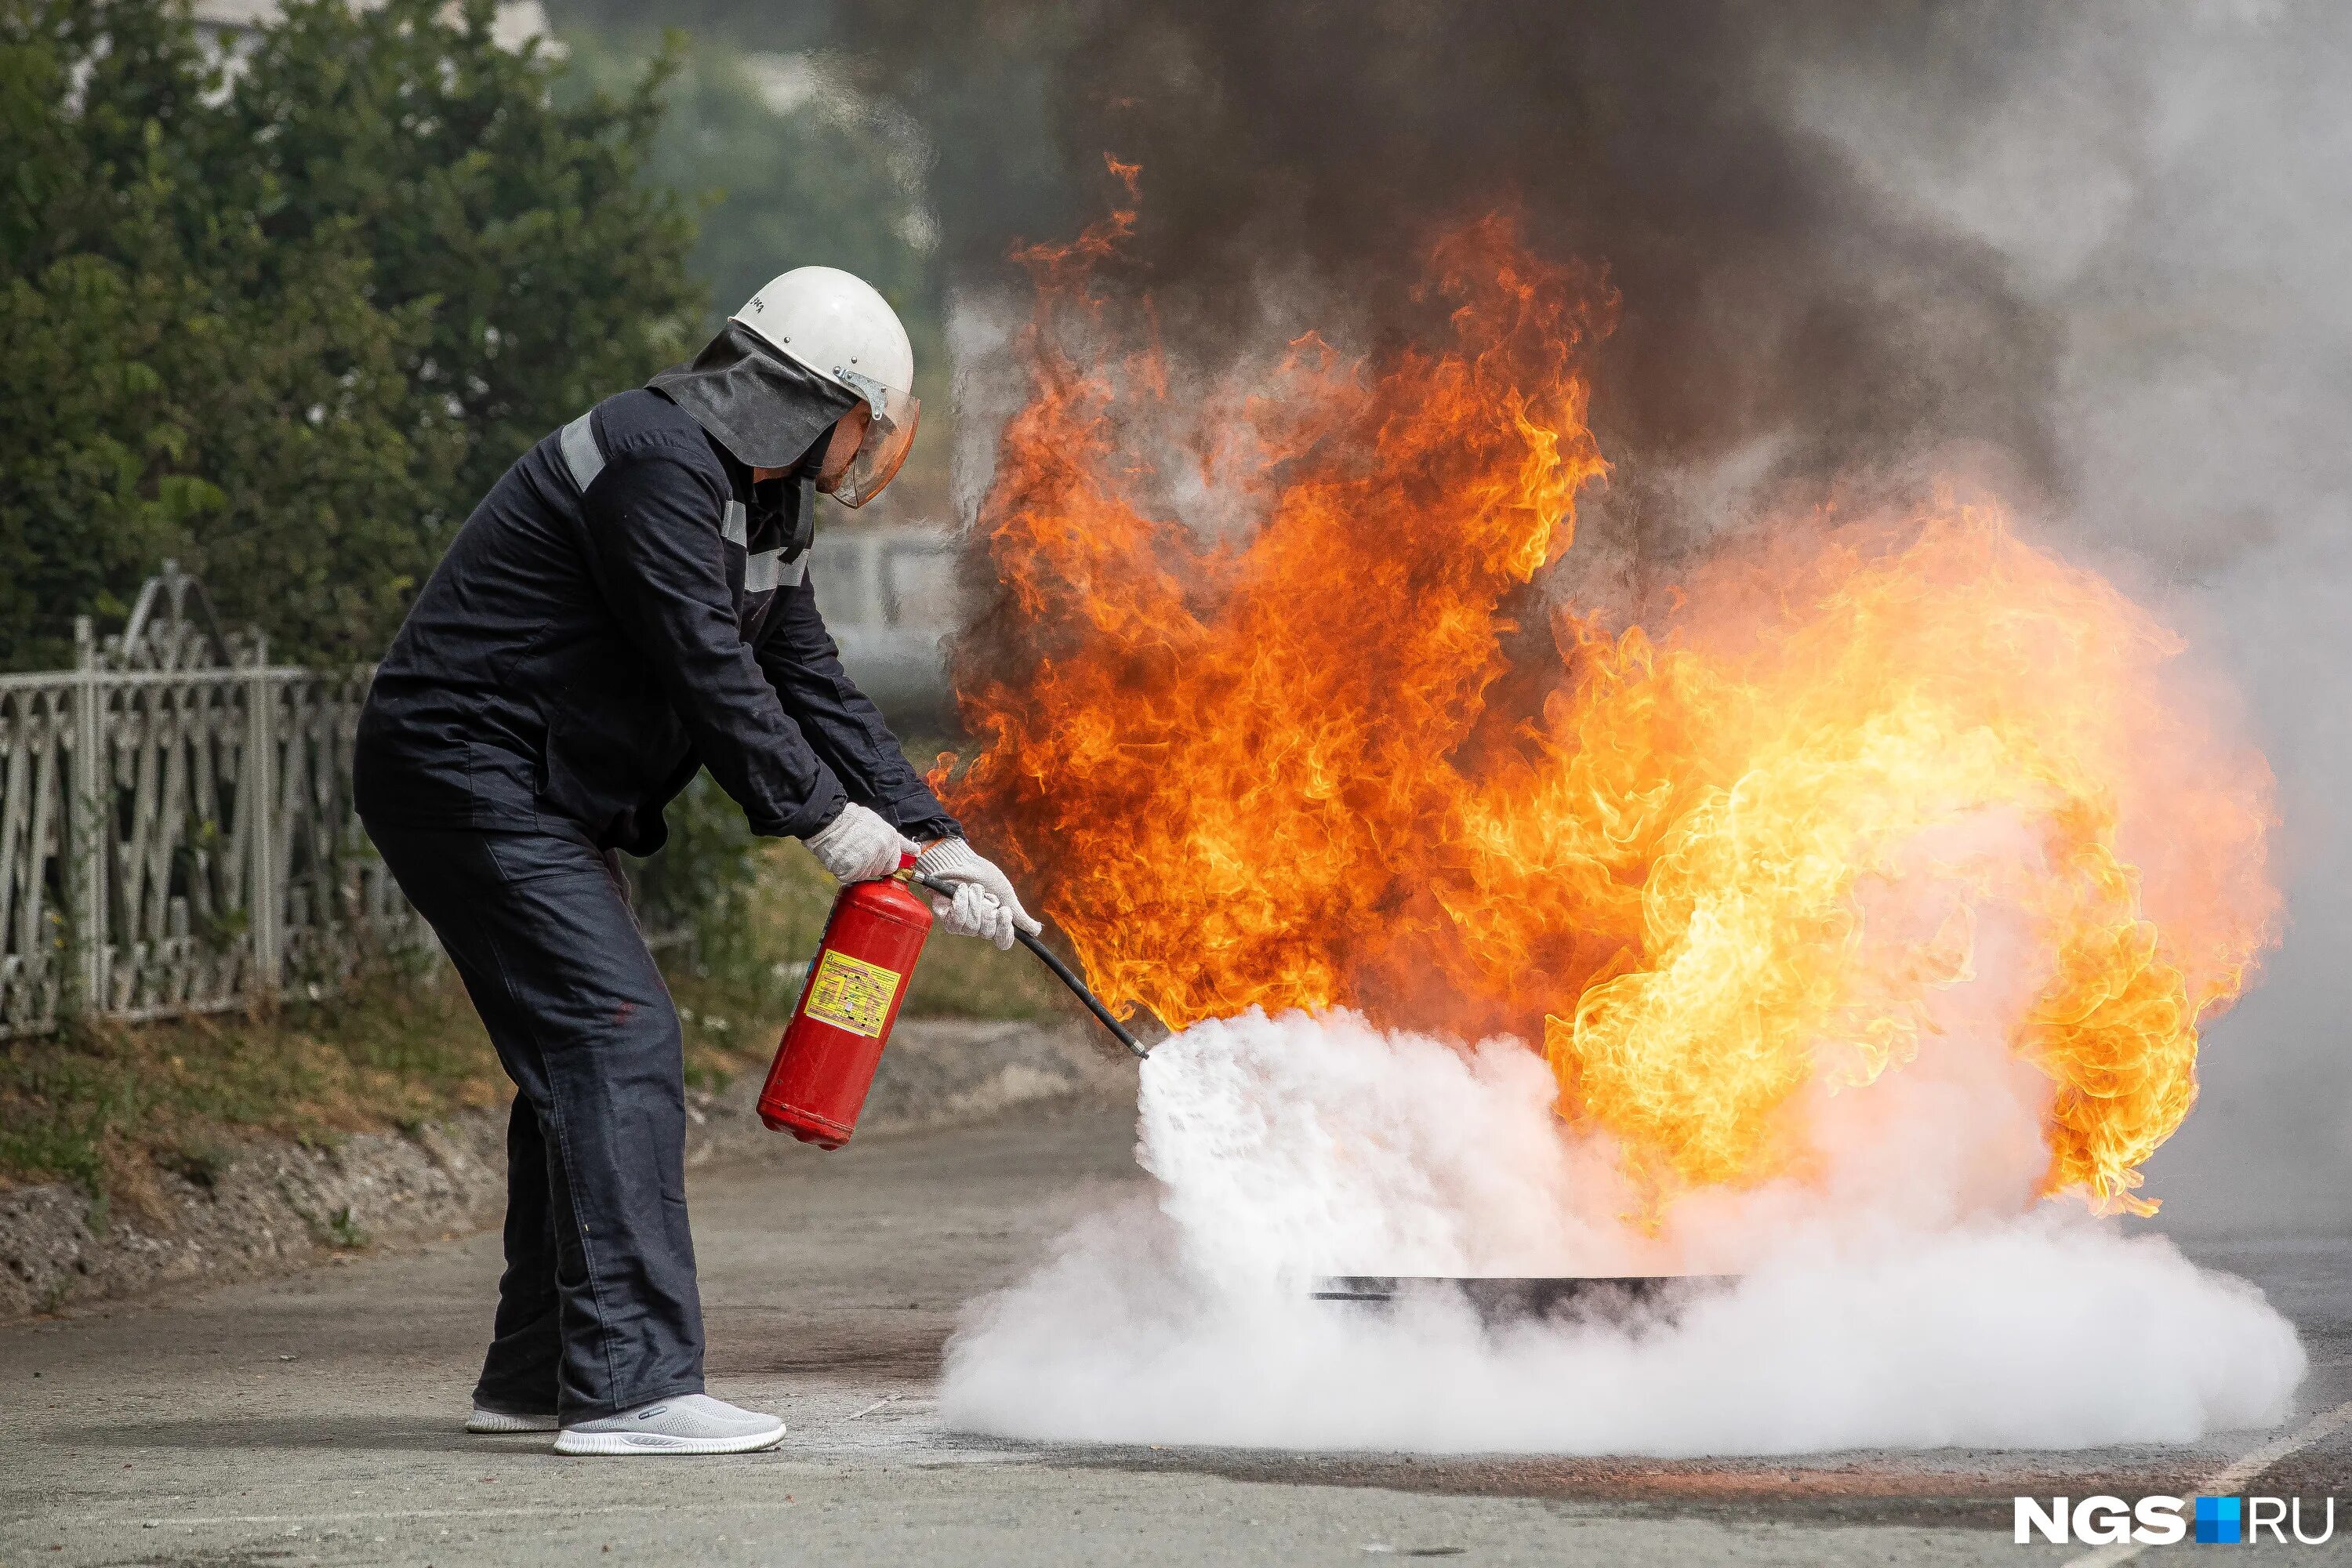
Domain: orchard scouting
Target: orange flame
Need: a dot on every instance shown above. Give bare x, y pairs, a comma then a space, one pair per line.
1268, 763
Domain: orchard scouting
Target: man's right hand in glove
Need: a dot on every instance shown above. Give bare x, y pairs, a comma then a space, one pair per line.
858, 845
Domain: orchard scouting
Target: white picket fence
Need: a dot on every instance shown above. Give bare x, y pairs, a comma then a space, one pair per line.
176, 831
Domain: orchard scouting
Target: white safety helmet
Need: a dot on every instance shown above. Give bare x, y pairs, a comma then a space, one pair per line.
834, 323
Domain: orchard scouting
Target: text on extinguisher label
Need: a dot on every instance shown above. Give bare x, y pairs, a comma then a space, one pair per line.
850, 993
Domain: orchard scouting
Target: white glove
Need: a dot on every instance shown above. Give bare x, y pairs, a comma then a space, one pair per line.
984, 904
974, 911
857, 846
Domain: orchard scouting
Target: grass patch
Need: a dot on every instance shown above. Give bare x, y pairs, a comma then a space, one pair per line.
106, 1105
343, 1232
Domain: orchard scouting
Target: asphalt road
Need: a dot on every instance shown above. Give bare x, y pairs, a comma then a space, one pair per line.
316, 1420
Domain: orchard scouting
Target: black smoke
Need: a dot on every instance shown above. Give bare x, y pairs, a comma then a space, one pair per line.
1767, 290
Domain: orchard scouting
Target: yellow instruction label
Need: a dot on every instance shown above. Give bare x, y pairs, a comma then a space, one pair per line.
850, 993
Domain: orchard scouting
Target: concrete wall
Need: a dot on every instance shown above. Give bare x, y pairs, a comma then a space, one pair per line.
889, 597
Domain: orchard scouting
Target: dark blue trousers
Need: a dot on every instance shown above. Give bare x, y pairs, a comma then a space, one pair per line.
598, 1310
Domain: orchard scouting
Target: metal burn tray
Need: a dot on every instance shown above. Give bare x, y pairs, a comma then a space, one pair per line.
1568, 1297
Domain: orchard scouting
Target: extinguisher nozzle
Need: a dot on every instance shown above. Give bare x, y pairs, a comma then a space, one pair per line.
1069, 978
1062, 972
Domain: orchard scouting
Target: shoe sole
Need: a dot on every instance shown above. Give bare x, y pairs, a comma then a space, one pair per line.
655, 1443
495, 1423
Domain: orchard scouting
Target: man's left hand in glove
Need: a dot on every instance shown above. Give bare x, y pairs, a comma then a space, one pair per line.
984, 904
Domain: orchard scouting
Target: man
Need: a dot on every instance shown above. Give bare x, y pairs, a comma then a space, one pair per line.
631, 603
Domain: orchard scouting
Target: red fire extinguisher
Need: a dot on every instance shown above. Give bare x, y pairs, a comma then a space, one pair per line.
826, 1062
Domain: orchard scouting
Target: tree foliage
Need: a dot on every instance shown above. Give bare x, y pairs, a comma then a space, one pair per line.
793, 167
982, 83
288, 311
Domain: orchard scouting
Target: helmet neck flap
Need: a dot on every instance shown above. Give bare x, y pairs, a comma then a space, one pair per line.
764, 408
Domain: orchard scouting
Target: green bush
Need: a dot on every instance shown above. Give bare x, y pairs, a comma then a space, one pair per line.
288, 320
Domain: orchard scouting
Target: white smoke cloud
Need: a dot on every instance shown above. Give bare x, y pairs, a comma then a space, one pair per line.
1901, 1301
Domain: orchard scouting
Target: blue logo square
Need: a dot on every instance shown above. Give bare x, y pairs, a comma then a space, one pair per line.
2218, 1520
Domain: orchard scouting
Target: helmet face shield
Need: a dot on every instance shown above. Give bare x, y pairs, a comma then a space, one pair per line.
889, 432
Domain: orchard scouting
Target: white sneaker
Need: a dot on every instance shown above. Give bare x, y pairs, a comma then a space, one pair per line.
682, 1424
483, 1420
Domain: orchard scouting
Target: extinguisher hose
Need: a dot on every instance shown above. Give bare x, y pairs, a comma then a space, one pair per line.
1062, 972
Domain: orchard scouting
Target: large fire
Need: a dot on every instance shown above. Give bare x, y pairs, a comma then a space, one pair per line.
1240, 724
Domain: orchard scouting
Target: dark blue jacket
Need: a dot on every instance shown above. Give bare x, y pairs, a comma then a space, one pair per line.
578, 654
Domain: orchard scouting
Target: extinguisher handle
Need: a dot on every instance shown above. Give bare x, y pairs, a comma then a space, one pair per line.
1062, 972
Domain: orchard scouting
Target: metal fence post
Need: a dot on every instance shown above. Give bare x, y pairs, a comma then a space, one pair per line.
261, 774
90, 835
